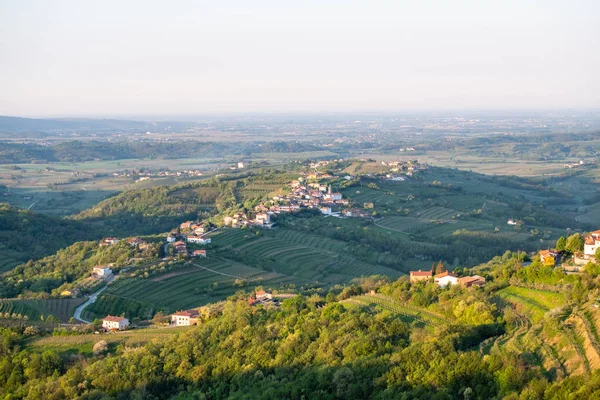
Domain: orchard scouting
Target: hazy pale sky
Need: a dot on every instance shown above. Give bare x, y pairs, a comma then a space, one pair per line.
112, 58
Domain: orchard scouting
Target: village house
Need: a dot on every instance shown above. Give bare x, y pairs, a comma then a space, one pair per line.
474, 280
548, 257
115, 323
201, 228
326, 210
263, 219
186, 226
171, 238
180, 247
136, 241
261, 295
199, 253
445, 278
198, 239
185, 318
109, 241
101, 272
591, 244
416, 276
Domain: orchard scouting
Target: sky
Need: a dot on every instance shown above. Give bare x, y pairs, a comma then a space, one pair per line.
116, 58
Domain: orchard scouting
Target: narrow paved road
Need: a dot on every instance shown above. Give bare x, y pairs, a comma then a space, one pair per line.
79, 310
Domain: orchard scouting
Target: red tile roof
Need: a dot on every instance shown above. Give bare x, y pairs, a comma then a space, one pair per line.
420, 273
444, 274
113, 319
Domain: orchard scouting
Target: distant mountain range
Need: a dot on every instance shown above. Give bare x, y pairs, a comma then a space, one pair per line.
49, 126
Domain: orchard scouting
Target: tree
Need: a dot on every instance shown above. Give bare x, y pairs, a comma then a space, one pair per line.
574, 243
561, 243
100, 347
597, 255
440, 268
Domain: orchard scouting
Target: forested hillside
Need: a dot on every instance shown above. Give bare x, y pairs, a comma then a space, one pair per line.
377, 338
25, 235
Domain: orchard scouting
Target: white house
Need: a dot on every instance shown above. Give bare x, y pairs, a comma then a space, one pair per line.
446, 278
171, 239
511, 222
591, 244
263, 219
198, 239
326, 210
261, 295
185, 318
115, 323
102, 272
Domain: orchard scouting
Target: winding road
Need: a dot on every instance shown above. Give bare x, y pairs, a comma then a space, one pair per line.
93, 297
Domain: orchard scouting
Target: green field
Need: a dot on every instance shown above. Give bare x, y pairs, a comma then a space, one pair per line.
34, 309
83, 344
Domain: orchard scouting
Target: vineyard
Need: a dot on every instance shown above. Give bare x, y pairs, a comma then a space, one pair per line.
202, 282
404, 224
408, 313
35, 309
436, 213
534, 303
303, 256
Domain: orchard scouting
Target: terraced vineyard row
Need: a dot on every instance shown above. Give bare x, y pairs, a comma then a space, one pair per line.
437, 213
313, 241
34, 309
409, 312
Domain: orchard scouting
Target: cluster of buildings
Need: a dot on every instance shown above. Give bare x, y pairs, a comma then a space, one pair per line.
133, 242
145, 175
402, 167
240, 219
447, 278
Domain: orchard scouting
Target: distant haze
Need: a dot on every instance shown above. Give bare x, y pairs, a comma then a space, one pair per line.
114, 58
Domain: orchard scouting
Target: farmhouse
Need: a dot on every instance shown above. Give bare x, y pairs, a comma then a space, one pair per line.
109, 241
262, 295
115, 323
474, 280
591, 244
548, 257
446, 278
185, 318
199, 253
101, 272
416, 276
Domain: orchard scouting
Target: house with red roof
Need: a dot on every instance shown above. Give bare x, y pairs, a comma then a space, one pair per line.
591, 244
115, 323
445, 278
416, 276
